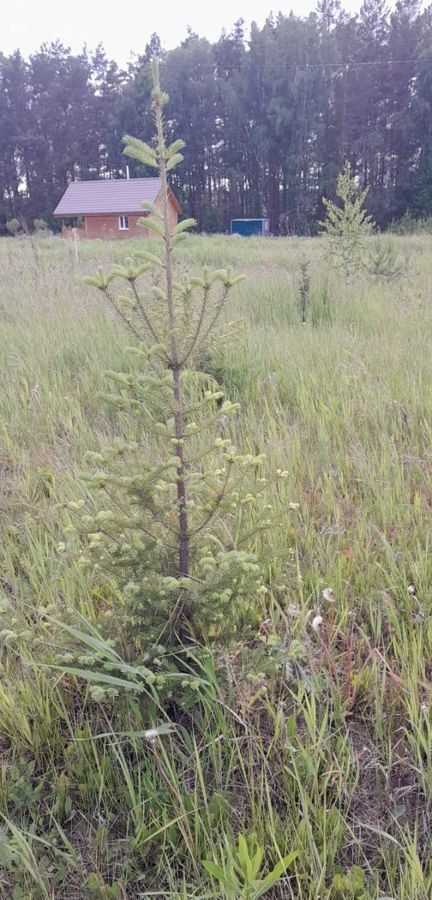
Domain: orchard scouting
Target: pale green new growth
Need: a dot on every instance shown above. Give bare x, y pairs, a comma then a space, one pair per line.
347, 226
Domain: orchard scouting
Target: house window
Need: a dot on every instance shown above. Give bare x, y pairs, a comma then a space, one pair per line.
124, 223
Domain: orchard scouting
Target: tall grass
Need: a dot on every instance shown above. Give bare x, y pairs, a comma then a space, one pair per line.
317, 740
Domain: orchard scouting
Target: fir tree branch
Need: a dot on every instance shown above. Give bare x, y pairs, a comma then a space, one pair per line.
193, 343
121, 314
219, 498
147, 321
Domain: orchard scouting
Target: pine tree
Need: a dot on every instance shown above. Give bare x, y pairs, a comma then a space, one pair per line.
347, 226
171, 532
267, 128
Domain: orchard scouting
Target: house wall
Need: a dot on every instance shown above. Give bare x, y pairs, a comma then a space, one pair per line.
108, 226
173, 214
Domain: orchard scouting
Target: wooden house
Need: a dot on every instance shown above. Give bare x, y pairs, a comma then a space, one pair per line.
110, 208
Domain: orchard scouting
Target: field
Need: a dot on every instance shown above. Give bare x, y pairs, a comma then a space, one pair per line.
317, 740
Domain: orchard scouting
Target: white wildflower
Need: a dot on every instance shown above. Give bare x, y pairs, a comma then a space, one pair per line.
151, 735
411, 589
329, 595
317, 622
293, 610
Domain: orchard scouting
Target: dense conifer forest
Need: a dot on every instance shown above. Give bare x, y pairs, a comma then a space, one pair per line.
269, 117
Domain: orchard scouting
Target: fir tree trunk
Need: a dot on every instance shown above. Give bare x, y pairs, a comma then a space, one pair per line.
183, 532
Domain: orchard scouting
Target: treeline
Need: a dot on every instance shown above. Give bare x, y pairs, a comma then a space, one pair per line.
269, 118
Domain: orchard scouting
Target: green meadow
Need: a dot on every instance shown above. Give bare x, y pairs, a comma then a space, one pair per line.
312, 736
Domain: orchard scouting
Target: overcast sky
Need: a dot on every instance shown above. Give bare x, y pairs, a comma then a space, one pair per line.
126, 27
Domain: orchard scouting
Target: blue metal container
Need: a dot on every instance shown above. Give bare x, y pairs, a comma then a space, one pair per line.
250, 227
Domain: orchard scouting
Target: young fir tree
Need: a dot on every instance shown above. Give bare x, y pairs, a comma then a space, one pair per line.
173, 530
347, 225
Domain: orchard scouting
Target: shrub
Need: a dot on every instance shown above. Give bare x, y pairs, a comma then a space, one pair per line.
13, 226
408, 224
40, 225
383, 260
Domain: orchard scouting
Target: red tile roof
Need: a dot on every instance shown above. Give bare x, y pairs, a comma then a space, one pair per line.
114, 195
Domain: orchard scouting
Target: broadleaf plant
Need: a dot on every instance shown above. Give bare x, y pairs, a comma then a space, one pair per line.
240, 873
176, 506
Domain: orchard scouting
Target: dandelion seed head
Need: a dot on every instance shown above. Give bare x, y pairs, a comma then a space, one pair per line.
317, 622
